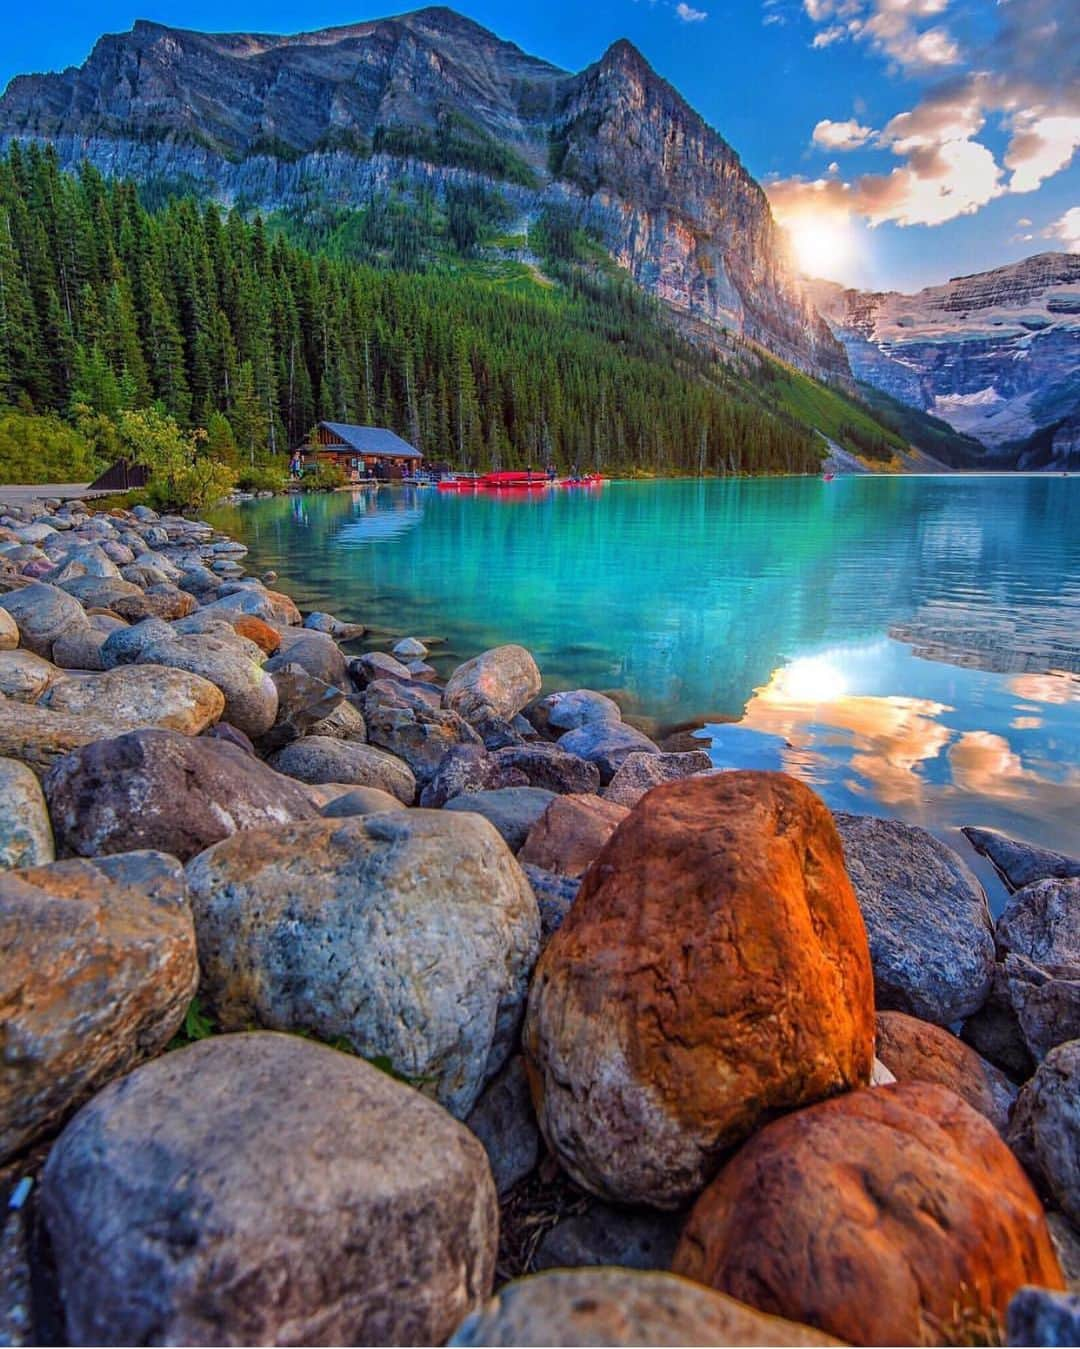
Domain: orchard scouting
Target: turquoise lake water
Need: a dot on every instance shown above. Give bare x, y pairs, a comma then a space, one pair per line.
910, 646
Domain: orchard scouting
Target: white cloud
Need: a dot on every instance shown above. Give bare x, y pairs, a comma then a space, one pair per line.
1023, 222
1042, 145
828, 36
1066, 230
690, 15
892, 27
841, 135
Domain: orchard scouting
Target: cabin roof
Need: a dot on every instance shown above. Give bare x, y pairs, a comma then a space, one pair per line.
373, 440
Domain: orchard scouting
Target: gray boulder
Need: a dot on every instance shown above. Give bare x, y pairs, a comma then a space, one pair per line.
554, 896
607, 745
263, 1189
26, 837
251, 700
142, 695
500, 681
98, 970
1042, 923
80, 650
927, 920
1020, 863
1038, 1316
365, 669
304, 702
512, 810
547, 766
1046, 1004
318, 758
640, 773
411, 729
345, 722
411, 934
124, 645
160, 789
1044, 1131
571, 709
42, 613
504, 1121
319, 655
466, 769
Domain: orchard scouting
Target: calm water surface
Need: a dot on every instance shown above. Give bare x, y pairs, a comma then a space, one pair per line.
909, 646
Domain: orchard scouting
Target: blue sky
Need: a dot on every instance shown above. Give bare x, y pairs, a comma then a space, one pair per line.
902, 141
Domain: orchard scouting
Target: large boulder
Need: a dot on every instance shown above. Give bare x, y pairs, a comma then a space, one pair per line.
163, 601
26, 837
304, 702
359, 801
1045, 1128
9, 631
894, 1215
919, 1051
38, 736
262, 1189
571, 708
607, 745
97, 967
409, 728
80, 650
931, 936
160, 789
143, 695
512, 810
571, 833
499, 681
1021, 863
713, 970
319, 655
251, 701
410, 934
622, 1307
24, 677
639, 773
1045, 1003
42, 613
123, 646
318, 758
464, 770
256, 601
544, 765
1042, 923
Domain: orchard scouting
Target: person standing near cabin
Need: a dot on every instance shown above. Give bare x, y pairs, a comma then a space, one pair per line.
551, 472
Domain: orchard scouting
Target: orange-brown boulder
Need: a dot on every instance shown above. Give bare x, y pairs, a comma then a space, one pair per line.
260, 632
918, 1051
571, 832
713, 970
894, 1215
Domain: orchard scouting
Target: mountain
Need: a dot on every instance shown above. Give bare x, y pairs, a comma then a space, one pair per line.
340, 115
996, 354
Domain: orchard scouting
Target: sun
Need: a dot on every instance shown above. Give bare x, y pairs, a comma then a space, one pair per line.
822, 243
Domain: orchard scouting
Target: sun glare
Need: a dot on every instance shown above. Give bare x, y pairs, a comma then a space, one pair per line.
821, 244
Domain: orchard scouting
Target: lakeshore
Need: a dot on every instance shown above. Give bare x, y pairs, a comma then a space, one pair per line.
463, 993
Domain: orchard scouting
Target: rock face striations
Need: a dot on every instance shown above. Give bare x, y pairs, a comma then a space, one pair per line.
346, 112
995, 354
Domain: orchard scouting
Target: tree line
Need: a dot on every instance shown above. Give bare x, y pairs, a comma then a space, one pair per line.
226, 324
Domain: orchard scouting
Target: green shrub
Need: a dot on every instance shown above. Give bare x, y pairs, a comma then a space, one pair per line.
43, 449
324, 478
183, 476
261, 479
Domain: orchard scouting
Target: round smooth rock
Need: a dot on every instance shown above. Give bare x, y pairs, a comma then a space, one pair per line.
254, 599
143, 695
24, 677
314, 652
318, 758
931, 936
894, 1215
359, 801
411, 934
570, 709
501, 680
80, 650
712, 970
373, 665
98, 967
264, 1189
26, 837
1045, 1127
124, 645
38, 736
161, 789
571, 833
606, 744
622, 1307
265, 637
409, 649
251, 700
919, 1051
512, 810
42, 613
9, 632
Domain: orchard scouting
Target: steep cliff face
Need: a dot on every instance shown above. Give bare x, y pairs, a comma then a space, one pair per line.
339, 114
997, 354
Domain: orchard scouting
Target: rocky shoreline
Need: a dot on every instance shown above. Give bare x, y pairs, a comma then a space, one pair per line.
342, 1004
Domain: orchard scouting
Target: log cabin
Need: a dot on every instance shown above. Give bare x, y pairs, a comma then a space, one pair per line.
361, 451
